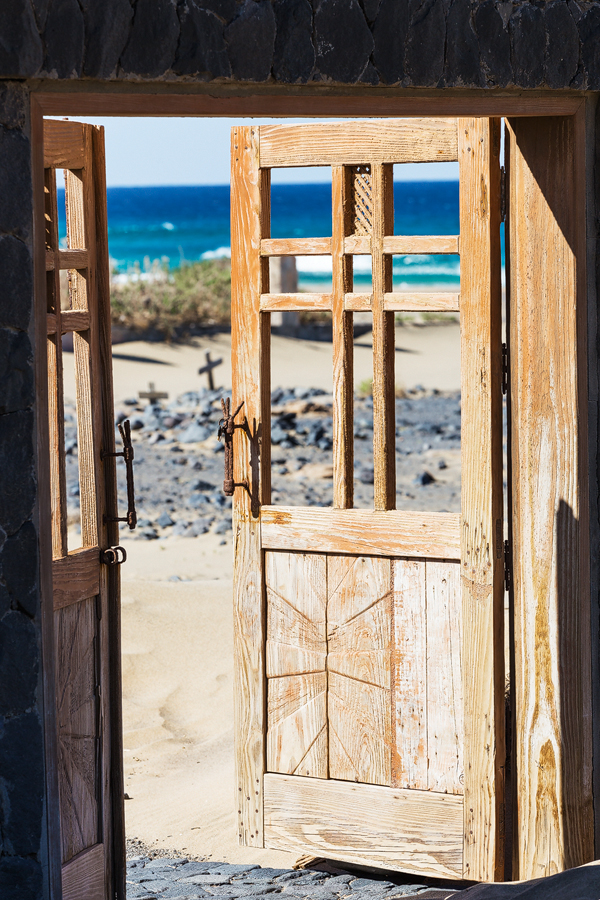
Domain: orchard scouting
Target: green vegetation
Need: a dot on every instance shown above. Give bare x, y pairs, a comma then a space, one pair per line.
173, 302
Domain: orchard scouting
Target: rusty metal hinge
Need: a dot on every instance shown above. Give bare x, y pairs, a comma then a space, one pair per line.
504, 368
502, 194
508, 579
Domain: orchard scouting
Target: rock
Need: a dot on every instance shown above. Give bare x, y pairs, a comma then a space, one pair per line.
562, 52
201, 47
147, 534
294, 55
15, 173
343, 40
165, 520
156, 438
195, 434
425, 45
441, 464
152, 40
424, 478
64, 39
389, 33
17, 462
201, 485
528, 39
217, 447
366, 475
136, 424
107, 27
14, 104
463, 64
250, 40
171, 421
199, 526
494, 44
21, 51
197, 500
180, 528
222, 527
16, 279
277, 434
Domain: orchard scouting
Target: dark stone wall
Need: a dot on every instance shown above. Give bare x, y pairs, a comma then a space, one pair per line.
410, 43
21, 732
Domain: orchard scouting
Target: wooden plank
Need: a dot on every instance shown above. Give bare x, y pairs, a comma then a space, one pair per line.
343, 345
403, 245
70, 320
56, 403
284, 302
248, 377
296, 649
481, 499
76, 577
83, 876
110, 577
63, 145
78, 720
445, 720
401, 301
552, 679
409, 675
358, 302
361, 531
357, 143
67, 259
413, 831
384, 387
358, 663
295, 247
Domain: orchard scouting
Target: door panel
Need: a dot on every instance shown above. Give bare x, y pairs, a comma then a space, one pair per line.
85, 596
381, 739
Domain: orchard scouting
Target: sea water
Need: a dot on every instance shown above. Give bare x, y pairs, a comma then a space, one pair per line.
183, 224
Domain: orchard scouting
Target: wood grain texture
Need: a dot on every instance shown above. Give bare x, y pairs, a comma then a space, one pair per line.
445, 719
63, 145
66, 259
78, 733
402, 245
83, 876
296, 586
70, 320
357, 143
384, 385
413, 831
481, 498
284, 302
358, 663
405, 301
343, 344
409, 675
361, 531
248, 376
295, 247
76, 577
554, 827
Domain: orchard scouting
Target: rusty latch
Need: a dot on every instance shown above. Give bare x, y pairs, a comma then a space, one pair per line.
113, 556
226, 428
127, 454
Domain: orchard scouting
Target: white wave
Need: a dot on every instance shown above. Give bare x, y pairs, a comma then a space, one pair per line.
219, 253
168, 226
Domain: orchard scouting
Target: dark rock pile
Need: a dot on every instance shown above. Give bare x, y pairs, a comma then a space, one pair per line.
179, 461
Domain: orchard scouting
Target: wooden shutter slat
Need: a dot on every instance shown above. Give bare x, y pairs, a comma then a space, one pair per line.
403, 245
295, 247
273, 302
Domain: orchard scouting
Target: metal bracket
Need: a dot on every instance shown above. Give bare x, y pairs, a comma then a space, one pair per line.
508, 579
113, 556
127, 454
504, 368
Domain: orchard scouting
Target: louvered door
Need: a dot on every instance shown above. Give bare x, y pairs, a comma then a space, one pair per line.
86, 592
369, 643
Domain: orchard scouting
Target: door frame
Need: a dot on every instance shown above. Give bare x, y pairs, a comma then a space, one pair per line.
164, 100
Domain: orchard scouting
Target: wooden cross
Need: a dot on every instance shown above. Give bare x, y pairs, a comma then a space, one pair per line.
208, 369
152, 395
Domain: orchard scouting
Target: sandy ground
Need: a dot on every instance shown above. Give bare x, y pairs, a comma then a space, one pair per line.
177, 636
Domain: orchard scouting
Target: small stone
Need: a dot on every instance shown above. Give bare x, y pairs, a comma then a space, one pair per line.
165, 520
424, 478
156, 438
221, 527
195, 434
180, 529
199, 526
441, 464
70, 446
217, 447
201, 485
147, 534
136, 424
277, 434
197, 500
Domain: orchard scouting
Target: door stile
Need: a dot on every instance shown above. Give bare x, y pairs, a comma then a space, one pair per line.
482, 500
250, 365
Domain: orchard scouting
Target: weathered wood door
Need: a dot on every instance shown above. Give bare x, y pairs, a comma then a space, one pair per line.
369, 643
85, 590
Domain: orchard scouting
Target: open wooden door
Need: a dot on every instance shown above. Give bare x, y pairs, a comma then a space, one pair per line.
85, 588
369, 643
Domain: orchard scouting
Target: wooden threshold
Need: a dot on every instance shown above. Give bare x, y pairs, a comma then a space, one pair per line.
361, 532
413, 831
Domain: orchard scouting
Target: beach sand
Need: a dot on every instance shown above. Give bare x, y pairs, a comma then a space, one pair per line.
177, 636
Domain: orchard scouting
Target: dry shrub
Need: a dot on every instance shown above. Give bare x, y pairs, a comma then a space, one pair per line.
172, 303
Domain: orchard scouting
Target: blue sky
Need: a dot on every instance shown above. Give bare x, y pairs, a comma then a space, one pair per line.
149, 151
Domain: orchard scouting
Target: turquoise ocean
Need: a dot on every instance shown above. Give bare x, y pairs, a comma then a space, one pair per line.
179, 224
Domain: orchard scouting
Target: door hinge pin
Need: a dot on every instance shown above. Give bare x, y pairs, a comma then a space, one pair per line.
507, 567
504, 368
502, 194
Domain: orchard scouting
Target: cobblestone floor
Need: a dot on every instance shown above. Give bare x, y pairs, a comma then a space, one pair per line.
179, 879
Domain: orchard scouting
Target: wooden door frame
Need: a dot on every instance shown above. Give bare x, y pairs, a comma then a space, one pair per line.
233, 100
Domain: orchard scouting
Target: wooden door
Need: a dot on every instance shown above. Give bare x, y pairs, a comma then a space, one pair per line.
85, 591
369, 643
